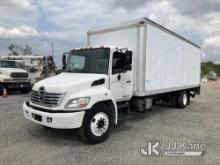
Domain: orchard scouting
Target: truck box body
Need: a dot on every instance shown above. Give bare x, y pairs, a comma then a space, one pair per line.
162, 60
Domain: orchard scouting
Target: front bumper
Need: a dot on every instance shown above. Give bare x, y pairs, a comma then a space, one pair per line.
17, 85
53, 120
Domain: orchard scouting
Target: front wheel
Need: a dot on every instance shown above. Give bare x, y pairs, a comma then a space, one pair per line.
97, 124
25, 90
1, 89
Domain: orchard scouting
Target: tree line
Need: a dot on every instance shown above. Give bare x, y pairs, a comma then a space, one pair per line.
207, 67
16, 50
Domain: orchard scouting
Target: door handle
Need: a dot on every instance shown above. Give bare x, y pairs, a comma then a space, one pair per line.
119, 77
129, 81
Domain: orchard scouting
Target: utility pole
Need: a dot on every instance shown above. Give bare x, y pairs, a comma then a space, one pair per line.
51, 43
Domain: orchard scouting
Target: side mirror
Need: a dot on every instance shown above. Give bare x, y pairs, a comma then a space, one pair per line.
64, 60
127, 67
128, 60
128, 57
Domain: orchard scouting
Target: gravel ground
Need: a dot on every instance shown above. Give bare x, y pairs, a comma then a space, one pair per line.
23, 142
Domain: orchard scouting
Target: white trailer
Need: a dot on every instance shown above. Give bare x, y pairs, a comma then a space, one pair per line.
163, 61
145, 63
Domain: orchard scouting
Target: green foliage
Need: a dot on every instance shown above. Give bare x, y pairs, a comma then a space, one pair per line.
209, 66
13, 49
27, 50
20, 49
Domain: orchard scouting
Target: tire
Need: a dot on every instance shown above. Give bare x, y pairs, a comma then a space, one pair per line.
188, 98
97, 124
1, 89
45, 127
25, 90
182, 99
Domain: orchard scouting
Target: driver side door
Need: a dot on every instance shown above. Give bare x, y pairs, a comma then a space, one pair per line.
121, 79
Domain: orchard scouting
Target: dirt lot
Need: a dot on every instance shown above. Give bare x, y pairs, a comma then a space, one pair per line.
23, 142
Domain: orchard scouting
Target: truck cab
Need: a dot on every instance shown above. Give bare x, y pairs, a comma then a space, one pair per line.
12, 77
85, 95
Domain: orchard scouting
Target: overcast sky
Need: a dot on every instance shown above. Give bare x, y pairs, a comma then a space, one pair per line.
65, 22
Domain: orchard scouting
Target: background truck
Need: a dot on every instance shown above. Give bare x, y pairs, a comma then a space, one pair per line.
12, 77
145, 63
38, 67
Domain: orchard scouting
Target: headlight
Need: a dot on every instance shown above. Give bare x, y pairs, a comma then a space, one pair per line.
81, 102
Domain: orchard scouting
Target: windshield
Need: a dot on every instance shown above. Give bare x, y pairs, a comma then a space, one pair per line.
8, 64
89, 61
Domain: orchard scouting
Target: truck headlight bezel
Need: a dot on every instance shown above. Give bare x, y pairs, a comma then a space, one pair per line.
77, 103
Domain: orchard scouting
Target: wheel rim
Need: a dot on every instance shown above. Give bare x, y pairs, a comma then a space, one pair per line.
99, 124
184, 99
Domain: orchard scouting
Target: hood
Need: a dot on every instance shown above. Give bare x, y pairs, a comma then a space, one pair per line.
65, 82
8, 71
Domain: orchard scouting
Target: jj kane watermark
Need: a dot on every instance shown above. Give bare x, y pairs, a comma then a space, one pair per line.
172, 148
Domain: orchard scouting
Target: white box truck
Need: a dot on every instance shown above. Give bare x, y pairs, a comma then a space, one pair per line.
145, 63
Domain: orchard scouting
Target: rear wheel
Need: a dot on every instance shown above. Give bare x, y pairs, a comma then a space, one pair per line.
182, 99
97, 124
188, 98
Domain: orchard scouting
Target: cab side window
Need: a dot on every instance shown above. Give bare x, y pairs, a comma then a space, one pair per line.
117, 62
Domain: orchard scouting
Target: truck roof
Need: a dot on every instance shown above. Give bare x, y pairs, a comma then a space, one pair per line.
136, 22
21, 57
96, 47
7, 60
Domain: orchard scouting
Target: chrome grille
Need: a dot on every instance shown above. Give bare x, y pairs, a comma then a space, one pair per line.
46, 99
19, 75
